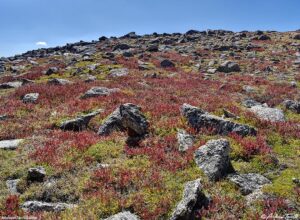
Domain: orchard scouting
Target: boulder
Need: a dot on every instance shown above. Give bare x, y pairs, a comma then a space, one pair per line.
10, 144
296, 37
185, 140
192, 200
121, 47
292, 105
30, 97
127, 117
51, 70
36, 174
199, 119
268, 114
228, 67
80, 123
98, 91
248, 103
213, 159
12, 186
57, 81
38, 206
249, 182
167, 64
124, 216
11, 85
118, 72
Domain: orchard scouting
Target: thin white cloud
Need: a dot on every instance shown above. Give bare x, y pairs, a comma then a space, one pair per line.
41, 43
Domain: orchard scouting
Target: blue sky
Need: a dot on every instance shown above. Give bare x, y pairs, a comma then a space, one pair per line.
23, 23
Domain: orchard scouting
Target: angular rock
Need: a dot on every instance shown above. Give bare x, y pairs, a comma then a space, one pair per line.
199, 119
121, 47
193, 199
51, 70
118, 72
37, 206
248, 103
30, 97
296, 37
10, 144
98, 91
12, 186
292, 105
167, 64
124, 216
3, 117
185, 140
228, 67
268, 114
127, 117
11, 85
249, 182
80, 123
36, 174
213, 159
57, 81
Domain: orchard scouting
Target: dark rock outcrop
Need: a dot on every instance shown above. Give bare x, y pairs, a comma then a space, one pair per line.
199, 119
127, 117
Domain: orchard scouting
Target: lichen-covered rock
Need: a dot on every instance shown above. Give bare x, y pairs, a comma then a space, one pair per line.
248, 103
199, 119
36, 174
127, 117
98, 91
292, 105
30, 97
12, 186
268, 114
249, 182
57, 81
192, 200
124, 216
51, 70
80, 123
11, 85
185, 140
118, 72
37, 206
228, 67
10, 144
213, 159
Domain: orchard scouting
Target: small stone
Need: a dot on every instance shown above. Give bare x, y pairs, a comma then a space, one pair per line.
38, 206
118, 72
57, 81
51, 70
31, 98
167, 64
185, 140
12, 186
10, 144
36, 174
228, 67
124, 216
98, 91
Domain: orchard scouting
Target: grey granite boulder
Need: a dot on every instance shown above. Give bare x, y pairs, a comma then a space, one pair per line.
192, 200
124, 216
127, 117
249, 182
80, 123
30, 97
213, 159
228, 67
185, 140
292, 105
267, 113
37, 206
199, 119
118, 72
12, 186
57, 81
98, 91
11, 85
10, 144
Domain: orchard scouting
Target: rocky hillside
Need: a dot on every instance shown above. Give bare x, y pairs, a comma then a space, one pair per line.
201, 125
